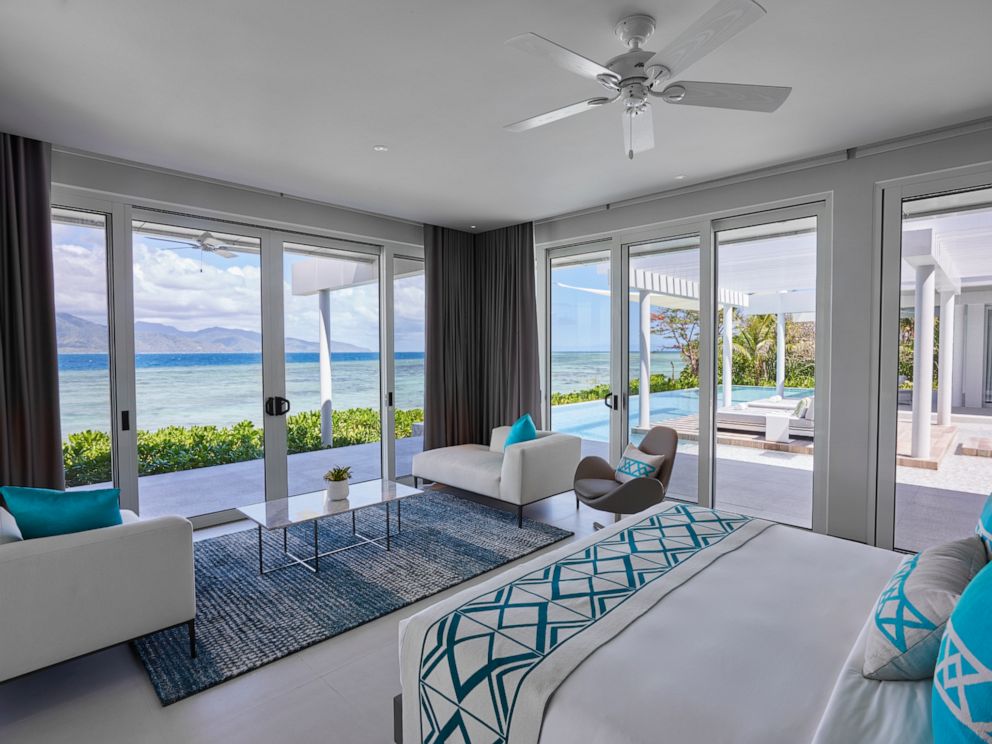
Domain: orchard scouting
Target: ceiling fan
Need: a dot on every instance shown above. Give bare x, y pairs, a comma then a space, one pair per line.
207, 243
632, 80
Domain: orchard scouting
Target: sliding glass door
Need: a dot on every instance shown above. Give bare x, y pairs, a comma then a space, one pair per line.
765, 358
198, 367
935, 452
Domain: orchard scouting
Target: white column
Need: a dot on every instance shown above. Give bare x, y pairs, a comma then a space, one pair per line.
644, 347
923, 361
326, 409
728, 355
945, 359
780, 351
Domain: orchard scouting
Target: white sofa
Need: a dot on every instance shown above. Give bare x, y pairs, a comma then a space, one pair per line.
752, 416
68, 595
523, 473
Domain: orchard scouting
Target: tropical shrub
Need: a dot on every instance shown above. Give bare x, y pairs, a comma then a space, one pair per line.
87, 459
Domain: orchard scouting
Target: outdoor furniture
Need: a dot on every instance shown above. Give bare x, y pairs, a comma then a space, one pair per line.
754, 417
521, 474
777, 427
69, 595
281, 514
595, 481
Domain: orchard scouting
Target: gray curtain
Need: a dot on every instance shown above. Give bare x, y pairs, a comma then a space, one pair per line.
481, 358
30, 437
508, 355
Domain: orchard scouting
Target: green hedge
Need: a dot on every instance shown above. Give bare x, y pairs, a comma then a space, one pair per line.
659, 384
86, 454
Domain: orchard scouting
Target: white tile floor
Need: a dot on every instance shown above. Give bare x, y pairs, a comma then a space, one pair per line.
339, 691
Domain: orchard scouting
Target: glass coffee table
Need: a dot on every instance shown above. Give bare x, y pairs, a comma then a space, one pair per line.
281, 514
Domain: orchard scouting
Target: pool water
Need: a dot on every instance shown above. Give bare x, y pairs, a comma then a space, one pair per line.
591, 419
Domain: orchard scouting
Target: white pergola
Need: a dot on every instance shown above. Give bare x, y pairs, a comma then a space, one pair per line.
321, 275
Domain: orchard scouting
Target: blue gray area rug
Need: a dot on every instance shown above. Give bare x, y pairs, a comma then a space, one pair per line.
245, 620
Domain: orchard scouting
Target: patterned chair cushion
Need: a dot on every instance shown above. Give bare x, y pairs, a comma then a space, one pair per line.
911, 613
984, 528
962, 681
637, 464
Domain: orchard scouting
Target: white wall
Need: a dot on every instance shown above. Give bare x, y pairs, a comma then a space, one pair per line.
852, 183
202, 197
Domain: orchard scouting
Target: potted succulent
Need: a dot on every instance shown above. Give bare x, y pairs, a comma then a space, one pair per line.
337, 482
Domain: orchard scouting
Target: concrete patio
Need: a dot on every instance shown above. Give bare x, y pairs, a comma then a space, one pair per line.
213, 489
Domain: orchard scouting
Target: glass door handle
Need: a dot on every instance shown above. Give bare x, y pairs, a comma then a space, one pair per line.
277, 406
611, 401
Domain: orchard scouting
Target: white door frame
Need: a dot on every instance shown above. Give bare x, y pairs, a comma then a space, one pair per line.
821, 210
889, 197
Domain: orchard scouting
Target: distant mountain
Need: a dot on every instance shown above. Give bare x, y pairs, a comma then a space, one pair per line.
79, 336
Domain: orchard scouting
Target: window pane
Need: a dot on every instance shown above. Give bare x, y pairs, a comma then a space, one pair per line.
79, 253
944, 431
766, 340
331, 301
580, 348
408, 342
198, 369
664, 351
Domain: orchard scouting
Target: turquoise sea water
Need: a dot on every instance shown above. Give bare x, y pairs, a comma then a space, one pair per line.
221, 389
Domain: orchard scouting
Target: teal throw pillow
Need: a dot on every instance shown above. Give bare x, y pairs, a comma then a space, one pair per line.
962, 681
42, 512
523, 430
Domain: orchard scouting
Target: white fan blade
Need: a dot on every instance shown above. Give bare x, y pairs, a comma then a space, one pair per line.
722, 22
224, 253
177, 242
572, 61
638, 130
766, 98
561, 113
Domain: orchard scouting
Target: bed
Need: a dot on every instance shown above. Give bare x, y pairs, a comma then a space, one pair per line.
679, 624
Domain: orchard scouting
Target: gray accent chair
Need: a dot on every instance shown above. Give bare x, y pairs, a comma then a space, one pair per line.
595, 481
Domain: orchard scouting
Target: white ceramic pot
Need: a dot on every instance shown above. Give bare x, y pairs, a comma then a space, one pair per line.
337, 490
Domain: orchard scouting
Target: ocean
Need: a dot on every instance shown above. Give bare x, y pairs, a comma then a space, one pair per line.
222, 389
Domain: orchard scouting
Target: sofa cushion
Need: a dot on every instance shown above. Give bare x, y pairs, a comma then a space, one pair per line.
472, 467
9, 531
523, 430
43, 512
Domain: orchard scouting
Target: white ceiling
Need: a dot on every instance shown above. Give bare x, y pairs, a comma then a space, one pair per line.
292, 96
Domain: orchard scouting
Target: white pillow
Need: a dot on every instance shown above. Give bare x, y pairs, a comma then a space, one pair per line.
809, 411
800, 410
910, 615
637, 464
9, 531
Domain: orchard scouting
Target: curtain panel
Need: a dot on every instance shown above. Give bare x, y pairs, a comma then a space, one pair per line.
481, 356
30, 435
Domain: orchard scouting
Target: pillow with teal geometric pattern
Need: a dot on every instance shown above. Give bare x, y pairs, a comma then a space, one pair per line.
637, 464
962, 681
984, 528
908, 621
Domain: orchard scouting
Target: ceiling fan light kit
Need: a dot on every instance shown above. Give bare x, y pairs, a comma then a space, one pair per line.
633, 81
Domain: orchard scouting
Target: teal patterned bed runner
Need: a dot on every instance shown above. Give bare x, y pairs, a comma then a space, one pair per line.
494, 661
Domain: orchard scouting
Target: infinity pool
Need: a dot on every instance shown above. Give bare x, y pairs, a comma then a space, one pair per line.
590, 420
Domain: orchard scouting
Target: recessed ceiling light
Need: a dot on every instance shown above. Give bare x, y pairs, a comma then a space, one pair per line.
471, 227
380, 148
680, 177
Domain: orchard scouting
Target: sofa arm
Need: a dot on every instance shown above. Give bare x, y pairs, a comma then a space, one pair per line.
539, 468
68, 595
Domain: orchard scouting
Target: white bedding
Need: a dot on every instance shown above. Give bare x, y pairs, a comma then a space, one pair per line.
748, 651
871, 712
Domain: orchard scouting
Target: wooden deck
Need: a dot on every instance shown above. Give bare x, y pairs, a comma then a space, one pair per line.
942, 440
688, 429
